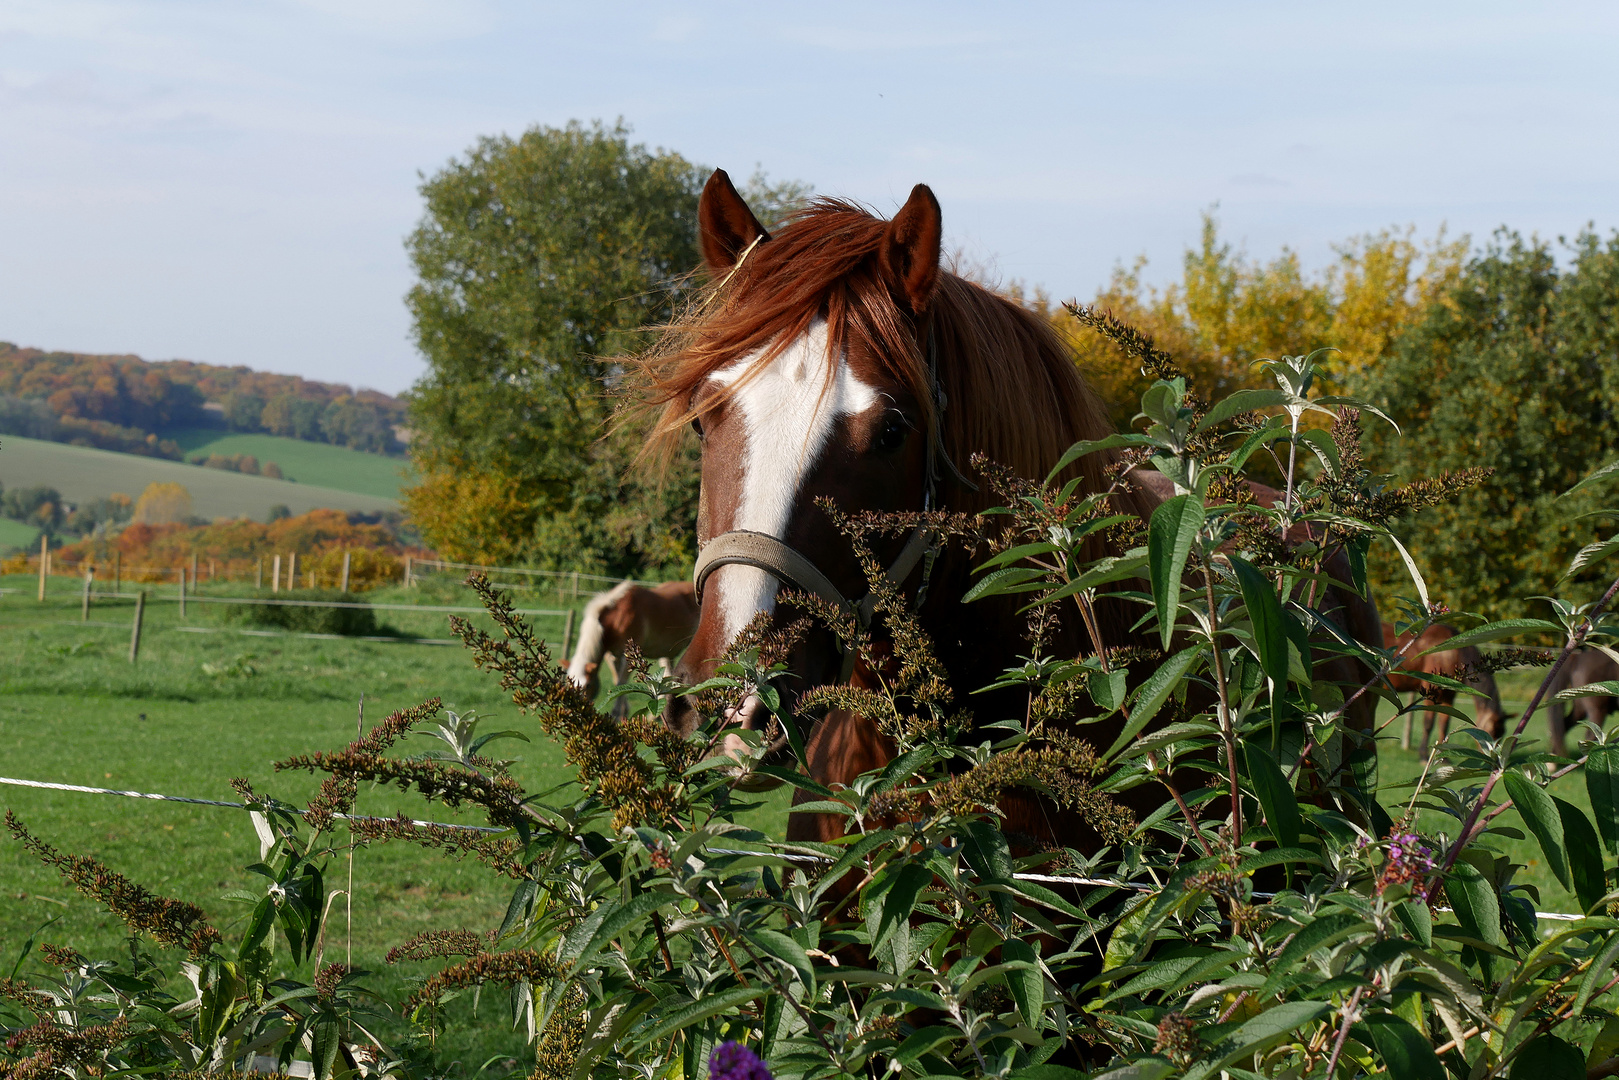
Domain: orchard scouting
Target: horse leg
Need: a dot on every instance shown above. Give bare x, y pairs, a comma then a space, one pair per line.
1554, 729
1427, 731
1405, 729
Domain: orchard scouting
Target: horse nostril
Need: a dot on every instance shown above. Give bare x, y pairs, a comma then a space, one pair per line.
680, 716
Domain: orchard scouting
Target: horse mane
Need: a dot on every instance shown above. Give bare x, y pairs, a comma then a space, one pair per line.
1013, 390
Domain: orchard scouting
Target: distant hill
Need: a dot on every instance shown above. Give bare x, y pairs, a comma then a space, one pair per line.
306, 462
83, 474
134, 405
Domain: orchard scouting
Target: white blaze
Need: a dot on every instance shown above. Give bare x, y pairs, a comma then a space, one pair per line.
789, 410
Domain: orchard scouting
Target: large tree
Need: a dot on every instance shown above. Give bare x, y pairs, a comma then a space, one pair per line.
1515, 368
540, 260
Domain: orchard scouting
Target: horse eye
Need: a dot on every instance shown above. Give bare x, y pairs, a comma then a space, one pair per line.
891, 436
697, 426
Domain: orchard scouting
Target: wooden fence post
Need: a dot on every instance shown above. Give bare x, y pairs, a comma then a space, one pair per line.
344, 587
409, 576
89, 580
292, 571
193, 571
182, 592
567, 637
275, 582
44, 563
135, 628
576, 584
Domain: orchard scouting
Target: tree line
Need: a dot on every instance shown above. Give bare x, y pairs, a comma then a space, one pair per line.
542, 261
132, 405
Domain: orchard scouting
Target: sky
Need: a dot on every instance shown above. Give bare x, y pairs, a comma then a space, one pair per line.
232, 182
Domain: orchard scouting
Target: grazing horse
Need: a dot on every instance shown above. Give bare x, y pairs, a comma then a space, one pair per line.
659, 621
1583, 668
1407, 678
837, 360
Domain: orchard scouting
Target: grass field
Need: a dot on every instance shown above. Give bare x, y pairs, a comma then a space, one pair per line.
14, 534
74, 710
322, 464
81, 473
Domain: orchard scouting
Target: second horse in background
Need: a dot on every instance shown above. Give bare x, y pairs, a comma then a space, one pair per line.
659, 620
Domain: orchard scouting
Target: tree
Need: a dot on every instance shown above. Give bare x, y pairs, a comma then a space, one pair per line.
163, 504
244, 411
1514, 367
539, 261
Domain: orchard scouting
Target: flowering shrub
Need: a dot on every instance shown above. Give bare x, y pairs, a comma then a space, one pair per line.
1276, 913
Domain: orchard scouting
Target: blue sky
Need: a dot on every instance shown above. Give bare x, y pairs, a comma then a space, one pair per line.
232, 182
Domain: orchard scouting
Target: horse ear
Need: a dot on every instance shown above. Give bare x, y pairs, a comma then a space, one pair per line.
725, 225
910, 251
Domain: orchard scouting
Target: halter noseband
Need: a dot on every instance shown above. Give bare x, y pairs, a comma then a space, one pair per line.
743, 547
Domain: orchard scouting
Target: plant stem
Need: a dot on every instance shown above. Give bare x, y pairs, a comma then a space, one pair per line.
1343, 1030
1226, 731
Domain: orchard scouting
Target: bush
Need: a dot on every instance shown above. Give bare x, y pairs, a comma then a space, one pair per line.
302, 617
1267, 918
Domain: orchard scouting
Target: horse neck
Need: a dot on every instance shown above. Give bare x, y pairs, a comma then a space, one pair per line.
592, 635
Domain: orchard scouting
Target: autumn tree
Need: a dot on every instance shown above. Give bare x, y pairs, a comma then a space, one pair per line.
540, 260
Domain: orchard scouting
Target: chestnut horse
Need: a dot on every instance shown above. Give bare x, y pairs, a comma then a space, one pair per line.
1583, 668
838, 360
1407, 678
659, 621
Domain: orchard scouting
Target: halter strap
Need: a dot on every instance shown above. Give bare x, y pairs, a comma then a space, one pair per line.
742, 547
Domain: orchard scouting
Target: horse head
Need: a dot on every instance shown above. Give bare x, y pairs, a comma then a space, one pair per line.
814, 388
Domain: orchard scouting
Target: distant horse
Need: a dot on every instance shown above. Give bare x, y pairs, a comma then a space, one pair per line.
1407, 678
837, 360
1583, 668
659, 620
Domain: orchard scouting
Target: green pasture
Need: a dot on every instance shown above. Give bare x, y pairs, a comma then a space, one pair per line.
81, 473
202, 707
335, 467
14, 534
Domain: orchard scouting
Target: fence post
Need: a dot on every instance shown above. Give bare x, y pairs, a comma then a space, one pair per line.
44, 563
344, 587
135, 629
89, 579
567, 637
182, 592
409, 577
212, 570
292, 571
193, 571
576, 584
258, 575
275, 582
117, 571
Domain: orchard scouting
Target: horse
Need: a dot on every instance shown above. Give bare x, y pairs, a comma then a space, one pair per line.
838, 360
659, 621
1407, 678
1585, 667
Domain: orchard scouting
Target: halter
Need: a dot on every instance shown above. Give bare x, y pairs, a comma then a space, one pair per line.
743, 547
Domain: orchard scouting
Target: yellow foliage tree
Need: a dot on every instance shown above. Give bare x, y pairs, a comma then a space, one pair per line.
473, 515
1227, 311
163, 504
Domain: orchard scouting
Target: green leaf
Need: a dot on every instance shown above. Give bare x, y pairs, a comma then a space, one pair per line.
1325, 450
1275, 796
1170, 533
1596, 976
1602, 785
1584, 854
1027, 985
1601, 474
1605, 689
1240, 402
1406, 1054
785, 948
1002, 581
1269, 1027
1323, 932
1494, 631
1151, 695
1591, 553
900, 899
1540, 814
1474, 903
1091, 446
701, 1009
1417, 920
1548, 1058
1411, 568
1107, 688
613, 923
920, 1042
1265, 611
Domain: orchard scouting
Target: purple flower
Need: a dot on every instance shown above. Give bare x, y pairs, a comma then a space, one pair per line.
733, 1061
